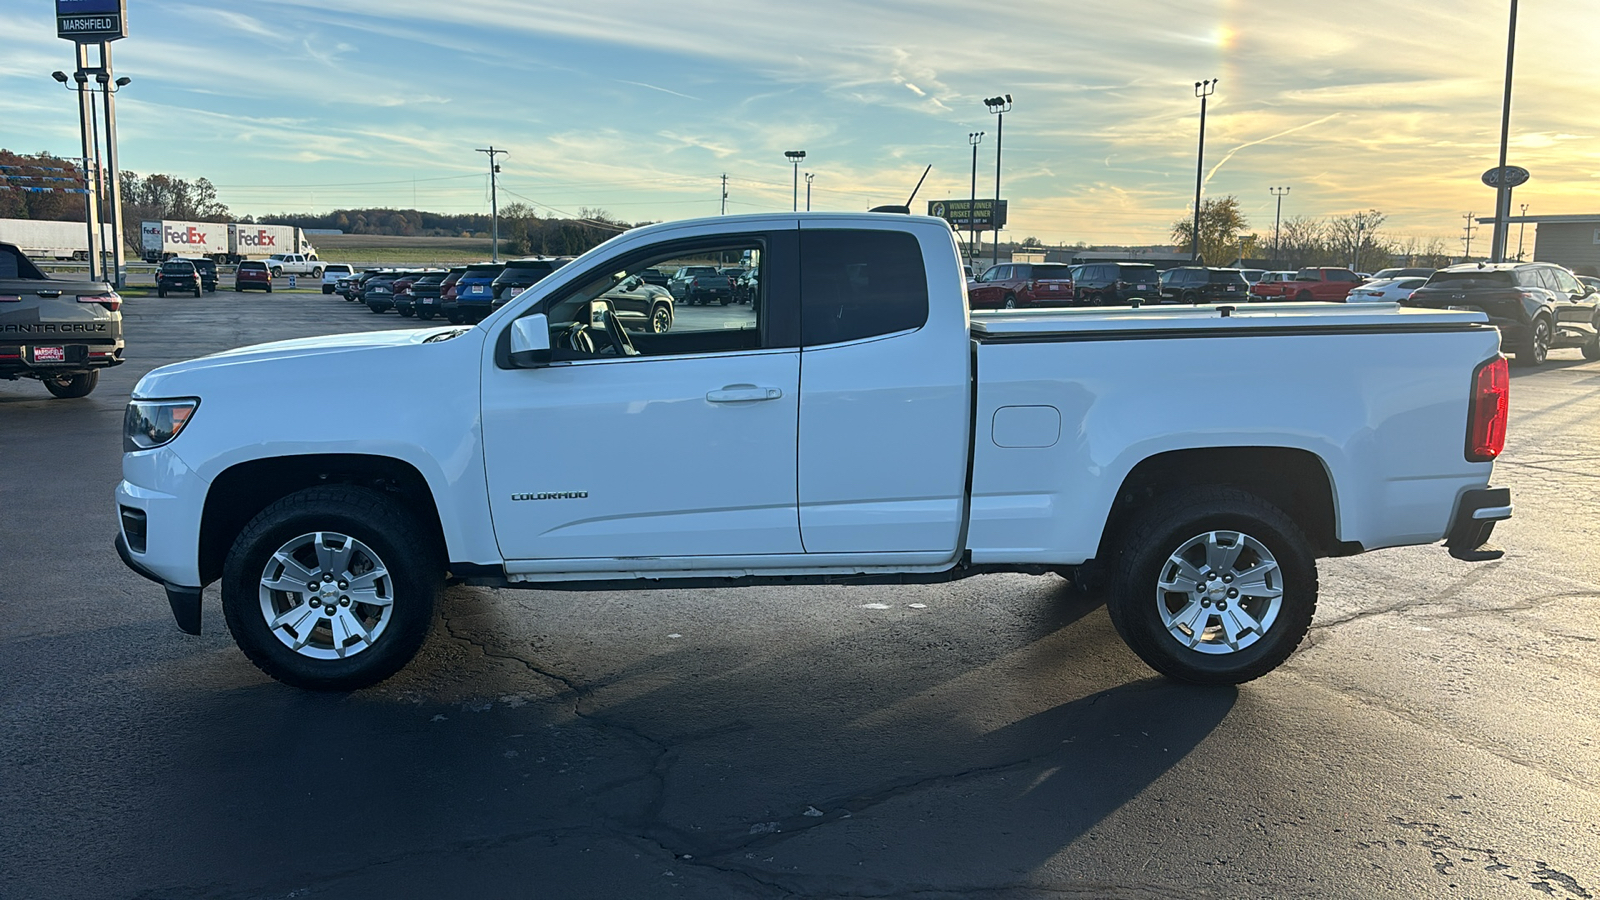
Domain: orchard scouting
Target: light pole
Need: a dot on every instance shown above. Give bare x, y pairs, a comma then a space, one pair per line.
1203, 90
809, 176
999, 106
1361, 222
113, 176
975, 138
1502, 191
1521, 227
1277, 219
494, 200
91, 153
795, 156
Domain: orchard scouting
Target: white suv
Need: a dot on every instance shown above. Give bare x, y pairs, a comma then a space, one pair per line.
332, 273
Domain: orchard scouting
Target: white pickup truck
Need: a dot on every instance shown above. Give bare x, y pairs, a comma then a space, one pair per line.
853, 424
294, 264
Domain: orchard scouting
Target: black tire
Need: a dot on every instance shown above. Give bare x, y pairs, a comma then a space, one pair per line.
416, 578
197, 291
161, 292
1535, 348
1591, 348
269, 288
405, 312
1303, 296
1147, 547
425, 314
455, 318
71, 387
1189, 297
1010, 302
316, 271
327, 289
373, 307
661, 318
275, 272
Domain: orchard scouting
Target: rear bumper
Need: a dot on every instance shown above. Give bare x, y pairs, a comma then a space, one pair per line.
1473, 523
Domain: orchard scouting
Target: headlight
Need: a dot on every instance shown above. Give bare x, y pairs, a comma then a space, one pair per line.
151, 423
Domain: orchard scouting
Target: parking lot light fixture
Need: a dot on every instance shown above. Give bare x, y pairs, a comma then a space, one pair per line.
1277, 219
999, 106
975, 138
795, 156
809, 177
1203, 90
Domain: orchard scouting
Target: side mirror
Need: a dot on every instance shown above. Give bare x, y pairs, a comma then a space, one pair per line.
530, 342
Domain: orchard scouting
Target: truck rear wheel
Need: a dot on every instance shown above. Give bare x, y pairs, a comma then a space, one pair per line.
70, 387
1213, 585
331, 588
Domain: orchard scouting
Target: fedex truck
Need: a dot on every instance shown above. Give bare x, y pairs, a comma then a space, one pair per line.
168, 238
263, 241
42, 239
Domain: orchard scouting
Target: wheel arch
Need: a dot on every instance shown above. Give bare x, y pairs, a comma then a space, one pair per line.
243, 490
1295, 480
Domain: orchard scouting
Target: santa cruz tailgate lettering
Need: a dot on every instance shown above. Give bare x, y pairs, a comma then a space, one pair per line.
49, 328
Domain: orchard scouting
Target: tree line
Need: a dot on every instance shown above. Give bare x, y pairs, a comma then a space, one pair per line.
1357, 239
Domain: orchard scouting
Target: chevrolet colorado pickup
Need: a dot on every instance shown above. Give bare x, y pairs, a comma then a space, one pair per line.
853, 424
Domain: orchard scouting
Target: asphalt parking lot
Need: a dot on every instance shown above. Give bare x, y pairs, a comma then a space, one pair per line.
1438, 735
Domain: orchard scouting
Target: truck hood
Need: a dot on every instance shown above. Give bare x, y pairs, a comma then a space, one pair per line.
339, 358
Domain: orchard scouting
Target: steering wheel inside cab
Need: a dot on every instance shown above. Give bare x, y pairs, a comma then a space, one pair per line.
602, 320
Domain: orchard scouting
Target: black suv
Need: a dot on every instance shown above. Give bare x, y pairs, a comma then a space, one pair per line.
208, 272
521, 274
1202, 284
1537, 306
59, 332
1115, 283
178, 275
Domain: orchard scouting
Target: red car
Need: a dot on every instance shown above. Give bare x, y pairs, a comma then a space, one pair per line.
1012, 285
252, 275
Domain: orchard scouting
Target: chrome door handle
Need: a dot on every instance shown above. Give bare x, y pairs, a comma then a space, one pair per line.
743, 393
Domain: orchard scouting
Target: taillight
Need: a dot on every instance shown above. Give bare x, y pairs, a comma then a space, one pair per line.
110, 300
1488, 410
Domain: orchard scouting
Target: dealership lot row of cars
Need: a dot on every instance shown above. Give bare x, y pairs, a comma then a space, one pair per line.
465, 294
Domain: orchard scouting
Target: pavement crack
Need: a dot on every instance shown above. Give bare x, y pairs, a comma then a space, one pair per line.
1450, 855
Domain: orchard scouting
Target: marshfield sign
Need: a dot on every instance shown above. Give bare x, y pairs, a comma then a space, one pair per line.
91, 21
974, 215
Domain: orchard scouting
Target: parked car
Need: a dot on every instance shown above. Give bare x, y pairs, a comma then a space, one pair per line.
521, 274
1115, 283
178, 274
58, 331
378, 294
1402, 273
1589, 280
1271, 285
208, 272
1326, 283
1204, 284
409, 295
748, 287
1010, 285
640, 306
1252, 275
700, 285
447, 293
1537, 306
331, 275
252, 274
358, 288
1384, 290
656, 277
474, 296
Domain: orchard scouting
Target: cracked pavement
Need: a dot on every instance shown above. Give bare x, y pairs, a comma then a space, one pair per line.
1435, 736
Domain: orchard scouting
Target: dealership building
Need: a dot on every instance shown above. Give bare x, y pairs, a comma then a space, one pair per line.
1571, 241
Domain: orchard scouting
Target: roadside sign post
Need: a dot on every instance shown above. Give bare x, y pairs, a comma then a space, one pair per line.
85, 23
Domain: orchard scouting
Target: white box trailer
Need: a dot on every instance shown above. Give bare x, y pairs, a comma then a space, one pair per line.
167, 238
262, 241
42, 239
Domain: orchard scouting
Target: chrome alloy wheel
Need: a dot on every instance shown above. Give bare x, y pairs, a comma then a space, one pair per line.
661, 320
1219, 592
326, 595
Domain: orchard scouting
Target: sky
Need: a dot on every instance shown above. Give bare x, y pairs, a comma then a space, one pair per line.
639, 108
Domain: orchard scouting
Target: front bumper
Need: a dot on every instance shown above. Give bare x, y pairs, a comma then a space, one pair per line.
1473, 523
185, 601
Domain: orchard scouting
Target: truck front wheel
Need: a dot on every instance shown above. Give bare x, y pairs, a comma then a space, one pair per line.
331, 588
1213, 586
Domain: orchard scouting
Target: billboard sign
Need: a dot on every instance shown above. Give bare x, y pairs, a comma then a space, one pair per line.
974, 215
91, 21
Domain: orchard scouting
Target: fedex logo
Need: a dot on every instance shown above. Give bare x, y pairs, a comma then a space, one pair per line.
261, 238
190, 235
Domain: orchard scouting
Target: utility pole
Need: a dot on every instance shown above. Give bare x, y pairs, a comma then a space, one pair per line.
724, 193
1469, 229
809, 176
1521, 227
1361, 221
1203, 90
1277, 219
494, 200
975, 138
